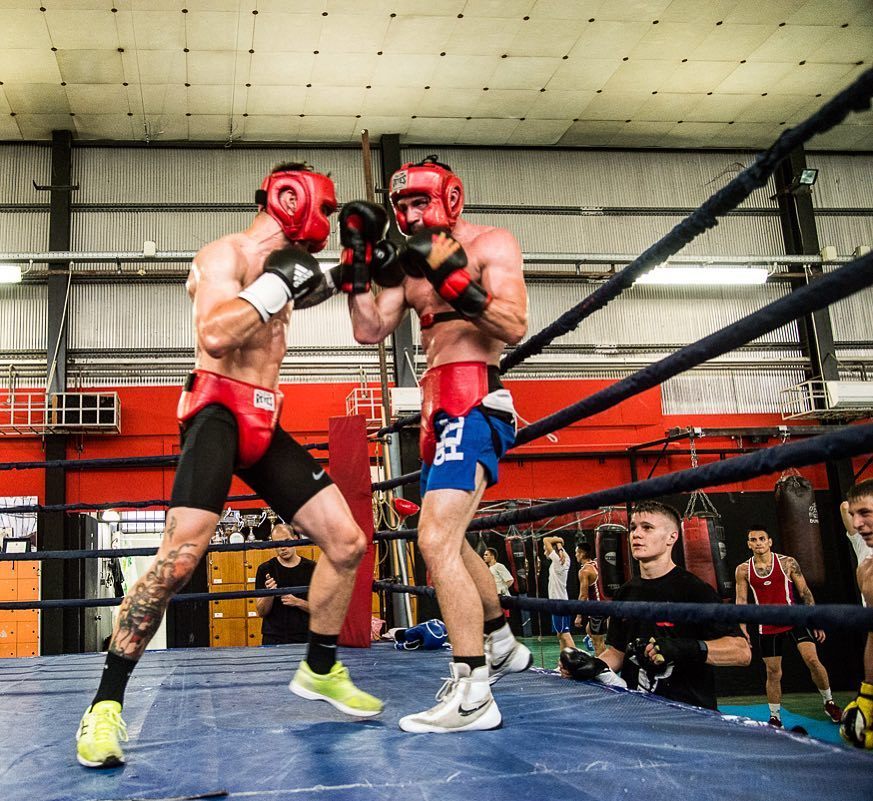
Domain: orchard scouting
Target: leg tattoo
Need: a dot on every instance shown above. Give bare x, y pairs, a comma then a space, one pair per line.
144, 606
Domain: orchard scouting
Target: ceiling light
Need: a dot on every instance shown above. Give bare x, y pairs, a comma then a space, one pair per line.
10, 274
807, 177
713, 276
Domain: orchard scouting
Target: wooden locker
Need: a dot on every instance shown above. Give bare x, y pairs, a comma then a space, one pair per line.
234, 607
228, 632
8, 649
253, 559
8, 589
253, 630
27, 631
28, 589
27, 649
226, 568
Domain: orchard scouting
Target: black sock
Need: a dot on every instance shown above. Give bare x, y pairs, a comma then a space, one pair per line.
495, 623
321, 655
473, 661
113, 682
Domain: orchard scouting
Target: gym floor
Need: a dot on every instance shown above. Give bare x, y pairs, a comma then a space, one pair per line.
798, 709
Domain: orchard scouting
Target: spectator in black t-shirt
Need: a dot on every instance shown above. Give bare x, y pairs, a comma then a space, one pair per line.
286, 617
673, 660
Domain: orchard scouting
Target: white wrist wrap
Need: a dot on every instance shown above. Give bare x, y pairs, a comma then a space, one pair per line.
611, 679
268, 293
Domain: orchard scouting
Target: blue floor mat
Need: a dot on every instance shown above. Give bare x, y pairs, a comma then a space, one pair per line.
820, 728
219, 720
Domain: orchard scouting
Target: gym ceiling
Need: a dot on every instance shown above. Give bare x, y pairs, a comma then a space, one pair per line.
613, 73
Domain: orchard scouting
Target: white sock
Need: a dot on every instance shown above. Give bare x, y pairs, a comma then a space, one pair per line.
775, 711
826, 695
503, 639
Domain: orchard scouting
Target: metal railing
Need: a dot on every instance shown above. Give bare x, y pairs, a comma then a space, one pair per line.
30, 413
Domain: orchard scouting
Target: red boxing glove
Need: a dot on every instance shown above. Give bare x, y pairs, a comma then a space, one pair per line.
448, 276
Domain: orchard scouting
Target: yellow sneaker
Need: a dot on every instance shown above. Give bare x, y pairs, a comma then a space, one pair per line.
97, 739
336, 688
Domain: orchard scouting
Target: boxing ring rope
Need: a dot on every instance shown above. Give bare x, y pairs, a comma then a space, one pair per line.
78, 603
827, 289
847, 442
825, 616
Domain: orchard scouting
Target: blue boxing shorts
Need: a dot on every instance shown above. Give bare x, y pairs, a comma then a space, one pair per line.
461, 444
560, 624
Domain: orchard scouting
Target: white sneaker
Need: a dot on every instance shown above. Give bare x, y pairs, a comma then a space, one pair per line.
500, 663
464, 703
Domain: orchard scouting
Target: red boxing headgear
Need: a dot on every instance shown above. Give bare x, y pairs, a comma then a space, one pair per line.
316, 200
435, 180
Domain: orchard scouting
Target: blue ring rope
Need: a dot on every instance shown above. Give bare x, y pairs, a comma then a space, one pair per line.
826, 616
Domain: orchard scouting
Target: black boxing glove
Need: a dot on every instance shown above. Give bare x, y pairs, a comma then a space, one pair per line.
580, 665
361, 226
448, 277
668, 651
385, 267
290, 274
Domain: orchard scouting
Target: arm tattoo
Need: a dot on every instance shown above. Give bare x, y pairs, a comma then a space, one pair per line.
795, 573
143, 608
171, 527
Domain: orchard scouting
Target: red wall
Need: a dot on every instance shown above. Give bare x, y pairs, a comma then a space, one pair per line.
149, 428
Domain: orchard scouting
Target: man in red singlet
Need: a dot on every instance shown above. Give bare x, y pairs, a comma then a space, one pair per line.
772, 578
590, 591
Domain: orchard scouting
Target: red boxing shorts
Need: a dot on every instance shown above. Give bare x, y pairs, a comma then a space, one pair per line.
455, 389
256, 409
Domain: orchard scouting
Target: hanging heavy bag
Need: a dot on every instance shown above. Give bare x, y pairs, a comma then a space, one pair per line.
705, 552
799, 527
610, 558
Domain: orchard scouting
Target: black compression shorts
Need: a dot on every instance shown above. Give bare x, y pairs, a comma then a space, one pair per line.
286, 476
597, 626
772, 644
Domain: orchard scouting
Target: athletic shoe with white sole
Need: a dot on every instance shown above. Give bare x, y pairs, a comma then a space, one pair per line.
97, 740
516, 659
336, 688
464, 703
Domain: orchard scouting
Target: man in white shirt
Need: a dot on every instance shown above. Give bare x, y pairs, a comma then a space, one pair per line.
559, 569
502, 577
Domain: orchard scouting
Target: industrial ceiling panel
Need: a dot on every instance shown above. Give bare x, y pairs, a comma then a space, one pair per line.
538, 132
342, 101
558, 105
90, 66
407, 70
152, 30
90, 99
274, 100
24, 28
81, 30
368, 37
23, 65
580, 74
281, 69
157, 67
523, 73
38, 98
464, 71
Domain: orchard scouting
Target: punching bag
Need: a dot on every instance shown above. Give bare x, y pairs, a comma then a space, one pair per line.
705, 552
798, 525
610, 557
